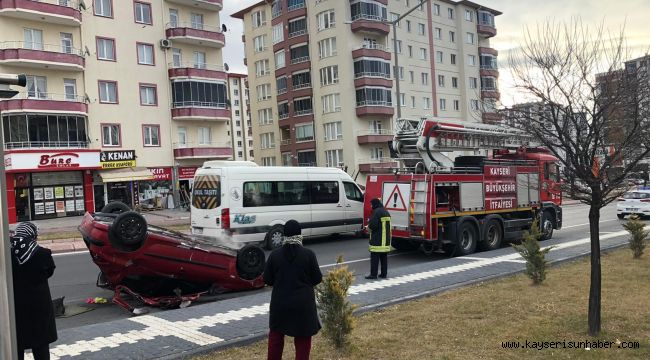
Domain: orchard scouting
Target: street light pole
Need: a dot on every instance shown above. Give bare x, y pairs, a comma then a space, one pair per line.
7, 326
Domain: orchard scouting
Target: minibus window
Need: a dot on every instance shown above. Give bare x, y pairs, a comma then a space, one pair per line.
352, 192
324, 192
206, 193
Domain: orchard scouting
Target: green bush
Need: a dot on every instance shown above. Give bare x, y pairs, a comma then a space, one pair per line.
535, 257
334, 307
639, 237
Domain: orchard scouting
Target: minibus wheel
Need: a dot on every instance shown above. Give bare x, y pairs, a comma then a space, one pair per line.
274, 237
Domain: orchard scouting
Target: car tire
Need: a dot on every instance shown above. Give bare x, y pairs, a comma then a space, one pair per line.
250, 262
493, 236
274, 237
128, 231
115, 207
546, 225
620, 216
467, 239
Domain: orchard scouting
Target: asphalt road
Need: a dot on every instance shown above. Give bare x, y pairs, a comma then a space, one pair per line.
76, 274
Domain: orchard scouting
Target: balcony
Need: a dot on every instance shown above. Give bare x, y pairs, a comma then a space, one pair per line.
377, 165
374, 136
490, 92
375, 108
489, 70
213, 5
372, 79
41, 56
196, 110
369, 24
195, 34
202, 151
60, 12
371, 50
299, 60
194, 70
46, 145
491, 117
296, 6
44, 103
486, 27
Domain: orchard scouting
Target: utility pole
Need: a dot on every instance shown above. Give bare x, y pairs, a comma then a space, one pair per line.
8, 324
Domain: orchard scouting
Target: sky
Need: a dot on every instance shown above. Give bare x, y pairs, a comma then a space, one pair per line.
517, 14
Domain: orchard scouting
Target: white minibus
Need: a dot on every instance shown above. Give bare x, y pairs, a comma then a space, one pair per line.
242, 203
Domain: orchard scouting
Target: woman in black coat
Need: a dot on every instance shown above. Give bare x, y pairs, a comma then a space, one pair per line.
32, 265
293, 272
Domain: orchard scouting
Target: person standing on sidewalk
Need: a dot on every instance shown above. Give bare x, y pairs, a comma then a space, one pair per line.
293, 272
380, 236
32, 265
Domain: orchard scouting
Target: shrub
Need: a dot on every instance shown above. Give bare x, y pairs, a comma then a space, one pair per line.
639, 237
535, 257
334, 307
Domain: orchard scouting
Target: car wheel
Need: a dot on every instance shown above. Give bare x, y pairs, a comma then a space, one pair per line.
620, 216
250, 262
493, 236
467, 239
547, 225
128, 231
274, 237
115, 208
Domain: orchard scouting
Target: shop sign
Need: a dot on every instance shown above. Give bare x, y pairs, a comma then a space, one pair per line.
186, 172
117, 159
161, 174
52, 160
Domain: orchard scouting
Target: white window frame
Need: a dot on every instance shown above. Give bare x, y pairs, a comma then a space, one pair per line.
103, 8
333, 131
280, 55
148, 131
105, 88
70, 89
146, 54
331, 103
329, 75
142, 10
148, 95
326, 19
33, 39
111, 129
202, 132
327, 47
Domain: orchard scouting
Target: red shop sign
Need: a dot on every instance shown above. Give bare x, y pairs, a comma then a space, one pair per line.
60, 160
161, 174
186, 172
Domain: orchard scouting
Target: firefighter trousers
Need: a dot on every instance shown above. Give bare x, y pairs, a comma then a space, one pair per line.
375, 259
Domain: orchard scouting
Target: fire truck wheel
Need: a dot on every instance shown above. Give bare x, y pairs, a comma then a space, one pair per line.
274, 237
467, 239
115, 207
493, 236
250, 262
547, 225
404, 244
128, 231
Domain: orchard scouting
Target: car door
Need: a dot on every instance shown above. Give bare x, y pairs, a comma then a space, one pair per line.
327, 208
353, 207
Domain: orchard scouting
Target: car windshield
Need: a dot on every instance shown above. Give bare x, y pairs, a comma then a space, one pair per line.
636, 195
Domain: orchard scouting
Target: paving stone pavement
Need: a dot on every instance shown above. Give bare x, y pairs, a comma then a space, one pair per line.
196, 329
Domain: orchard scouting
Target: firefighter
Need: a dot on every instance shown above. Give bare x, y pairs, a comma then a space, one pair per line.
380, 234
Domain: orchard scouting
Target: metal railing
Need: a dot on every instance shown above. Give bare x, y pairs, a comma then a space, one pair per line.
376, 160
192, 25
181, 104
373, 46
303, 112
45, 144
374, 103
283, 116
489, 88
301, 86
374, 132
371, 74
194, 65
489, 67
296, 6
37, 46
282, 91
368, 17
297, 33
179, 145
300, 60
285, 142
37, 95
65, 3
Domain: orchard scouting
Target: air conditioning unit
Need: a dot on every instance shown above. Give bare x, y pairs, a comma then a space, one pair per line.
166, 44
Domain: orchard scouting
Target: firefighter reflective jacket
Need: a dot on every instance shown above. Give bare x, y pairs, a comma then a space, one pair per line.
380, 230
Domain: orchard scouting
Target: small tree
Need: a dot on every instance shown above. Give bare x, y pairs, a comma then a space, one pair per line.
334, 306
535, 257
639, 235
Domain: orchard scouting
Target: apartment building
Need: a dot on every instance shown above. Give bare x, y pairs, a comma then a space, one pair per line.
323, 84
241, 123
124, 100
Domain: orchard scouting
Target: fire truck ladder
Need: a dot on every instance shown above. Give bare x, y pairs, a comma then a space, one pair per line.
418, 204
476, 136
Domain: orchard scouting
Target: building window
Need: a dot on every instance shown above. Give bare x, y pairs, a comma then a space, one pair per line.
299, 54
111, 135
302, 106
426, 103
421, 29
470, 38
151, 134
173, 18
333, 131
262, 67
283, 110
372, 68
402, 99
410, 50
327, 47
267, 140
295, 4
436, 9
468, 15
473, 103
441, 80
33, 39
438, 33
145, 54
368, 11
265, 116
326, 20
488, 83
276, 9
199, 60
425, 78
301, 79
450, 13
281, 85
196, 21
329, 75
279, 59
37, 87
439, 56
103, 8
488, 62
142, 13
485, 18
66, 43
182, 136
268, 161
331, 103
263, 92
452, 37
473, 83
177, 58
148, 95
259, 43
108, 92
394, 17
399, 46
423, 54
456, 105
370, 96
408, 25
471, 60
305, 132
412, 102
198, 93
334, 158
443, 104
205, 136
278, 33
259, 18
22, 131
105, 49
70, 89
454, 82
376, 153
297, 27
412, 76
400, 70
452, 59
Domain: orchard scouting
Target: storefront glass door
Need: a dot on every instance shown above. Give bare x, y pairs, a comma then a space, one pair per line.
23, 206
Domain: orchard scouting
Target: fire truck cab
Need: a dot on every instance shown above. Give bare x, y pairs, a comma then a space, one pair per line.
461, 203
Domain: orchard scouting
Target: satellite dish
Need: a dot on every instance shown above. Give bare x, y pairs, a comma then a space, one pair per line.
226, 67
224, 28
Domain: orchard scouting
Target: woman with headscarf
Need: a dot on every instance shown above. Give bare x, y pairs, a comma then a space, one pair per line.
293, 272
32, 265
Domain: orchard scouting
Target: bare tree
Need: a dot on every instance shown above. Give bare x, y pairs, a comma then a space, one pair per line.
591, 115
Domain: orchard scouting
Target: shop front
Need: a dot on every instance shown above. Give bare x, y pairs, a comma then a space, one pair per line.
185, 183
49, 184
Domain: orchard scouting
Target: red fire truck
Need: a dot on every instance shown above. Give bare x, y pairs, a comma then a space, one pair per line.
441, 198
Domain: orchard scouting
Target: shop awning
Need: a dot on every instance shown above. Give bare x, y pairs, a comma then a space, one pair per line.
126, 174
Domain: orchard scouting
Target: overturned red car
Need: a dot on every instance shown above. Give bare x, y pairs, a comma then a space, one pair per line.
160, 267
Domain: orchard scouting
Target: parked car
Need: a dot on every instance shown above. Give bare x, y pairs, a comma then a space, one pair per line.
160, 267
634, 202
